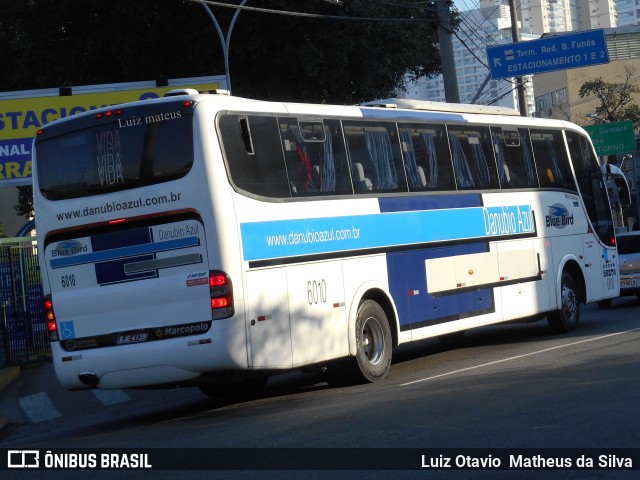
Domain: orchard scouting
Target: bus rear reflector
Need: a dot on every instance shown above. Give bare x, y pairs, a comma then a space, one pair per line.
221, 291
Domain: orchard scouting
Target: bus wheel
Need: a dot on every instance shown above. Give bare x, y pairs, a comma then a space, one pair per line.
373, 342
567, 317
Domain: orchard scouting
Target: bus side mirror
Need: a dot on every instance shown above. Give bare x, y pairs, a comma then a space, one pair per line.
617, 185
624, 195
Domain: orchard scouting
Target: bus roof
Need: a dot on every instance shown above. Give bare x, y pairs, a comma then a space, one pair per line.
440, 106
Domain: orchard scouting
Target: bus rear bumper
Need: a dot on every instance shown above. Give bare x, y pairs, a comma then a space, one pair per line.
177, 362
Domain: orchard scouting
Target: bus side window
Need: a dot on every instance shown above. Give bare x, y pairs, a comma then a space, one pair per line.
301, 174
374, 154
551, 159
339, 155
260, 171
427, 157
416, 176
315, 166
514, 158
473, 157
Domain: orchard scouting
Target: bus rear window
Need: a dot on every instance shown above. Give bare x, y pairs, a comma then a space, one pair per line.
140, 147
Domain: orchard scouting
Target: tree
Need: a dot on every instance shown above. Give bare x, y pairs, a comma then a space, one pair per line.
47, 43
366, 54
617, 101
333, 61
25, 202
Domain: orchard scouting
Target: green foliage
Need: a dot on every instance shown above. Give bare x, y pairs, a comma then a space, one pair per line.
617, 101
54, 43
25, 202
328, 60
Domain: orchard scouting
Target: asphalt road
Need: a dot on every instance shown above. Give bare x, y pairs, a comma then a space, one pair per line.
499, 388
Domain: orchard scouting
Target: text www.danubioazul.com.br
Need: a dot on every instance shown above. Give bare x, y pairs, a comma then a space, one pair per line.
313, 236
111, 207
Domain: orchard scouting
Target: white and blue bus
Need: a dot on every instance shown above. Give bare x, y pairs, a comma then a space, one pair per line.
209, 240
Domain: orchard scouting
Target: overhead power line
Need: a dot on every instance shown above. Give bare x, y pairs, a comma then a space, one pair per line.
317, 15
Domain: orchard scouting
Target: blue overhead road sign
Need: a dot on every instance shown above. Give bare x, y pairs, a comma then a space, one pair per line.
560, 52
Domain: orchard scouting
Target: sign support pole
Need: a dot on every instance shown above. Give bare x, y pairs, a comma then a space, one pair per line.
515, 34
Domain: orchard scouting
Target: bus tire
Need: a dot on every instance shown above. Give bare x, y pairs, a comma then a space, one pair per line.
567, 317
373, 342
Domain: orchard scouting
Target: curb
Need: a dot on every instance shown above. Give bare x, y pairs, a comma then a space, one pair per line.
7, 376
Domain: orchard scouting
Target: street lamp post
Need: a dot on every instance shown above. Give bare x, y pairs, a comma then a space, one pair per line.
225, 40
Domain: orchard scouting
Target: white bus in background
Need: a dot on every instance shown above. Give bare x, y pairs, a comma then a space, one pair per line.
209, 240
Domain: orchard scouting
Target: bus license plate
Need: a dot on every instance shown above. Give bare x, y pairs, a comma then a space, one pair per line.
630, 283
126, 338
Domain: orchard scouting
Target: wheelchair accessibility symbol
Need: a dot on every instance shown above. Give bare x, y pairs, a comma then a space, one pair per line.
66, 331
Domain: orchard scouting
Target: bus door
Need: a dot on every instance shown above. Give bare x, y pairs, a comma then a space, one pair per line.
318, 312
268, 319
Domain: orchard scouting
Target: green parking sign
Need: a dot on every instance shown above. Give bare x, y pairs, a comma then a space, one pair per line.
612, 138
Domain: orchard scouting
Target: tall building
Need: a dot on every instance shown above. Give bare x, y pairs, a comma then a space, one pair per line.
546, 16
491, 25
628, 12
553, 16
479, 28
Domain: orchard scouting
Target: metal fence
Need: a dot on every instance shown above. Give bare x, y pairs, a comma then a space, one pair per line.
23, 328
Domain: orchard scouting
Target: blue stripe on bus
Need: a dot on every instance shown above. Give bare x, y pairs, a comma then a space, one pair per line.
122, 252
429, 202
309, 236
408, 286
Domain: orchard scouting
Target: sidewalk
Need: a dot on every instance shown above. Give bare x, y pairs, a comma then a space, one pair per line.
7, 375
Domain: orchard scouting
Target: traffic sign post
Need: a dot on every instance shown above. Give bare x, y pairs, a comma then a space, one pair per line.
560, 52
612, 138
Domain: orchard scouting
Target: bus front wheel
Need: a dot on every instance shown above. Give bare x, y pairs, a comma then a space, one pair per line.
373, 349
566, 318
373, 342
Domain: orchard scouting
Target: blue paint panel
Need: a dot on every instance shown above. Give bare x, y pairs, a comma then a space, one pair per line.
122, 252
396, 272
429, 202
113, 271
408, 287
108, 241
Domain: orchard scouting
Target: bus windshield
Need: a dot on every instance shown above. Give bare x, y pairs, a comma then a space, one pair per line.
127, 150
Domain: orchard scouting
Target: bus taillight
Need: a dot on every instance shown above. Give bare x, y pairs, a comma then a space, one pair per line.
52, 326
221, 291
109, 113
